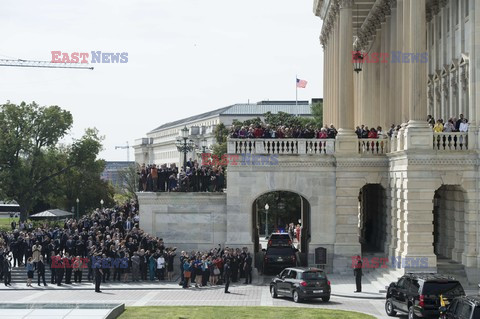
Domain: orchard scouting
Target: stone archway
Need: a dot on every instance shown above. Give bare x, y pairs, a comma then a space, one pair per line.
285, 207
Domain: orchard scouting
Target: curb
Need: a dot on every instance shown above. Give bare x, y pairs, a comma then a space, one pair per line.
358, 297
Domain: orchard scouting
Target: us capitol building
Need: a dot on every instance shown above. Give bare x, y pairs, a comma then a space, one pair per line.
413, 195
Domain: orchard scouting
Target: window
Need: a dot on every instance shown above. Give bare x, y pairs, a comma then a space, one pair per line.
313, 275
283, 273
413, 287
402, 283
292, 275
445, 288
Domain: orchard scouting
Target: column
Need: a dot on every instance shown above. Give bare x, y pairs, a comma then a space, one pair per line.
418, 133
382, 119
347, 139
405, 47
336, 73
398, 67
345, 68
326, 83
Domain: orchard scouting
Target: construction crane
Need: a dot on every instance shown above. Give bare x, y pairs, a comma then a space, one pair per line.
127, 147
43, 64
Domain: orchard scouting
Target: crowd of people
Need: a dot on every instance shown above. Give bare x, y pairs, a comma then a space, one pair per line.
112, 237
268, 131
195, 178
452, 125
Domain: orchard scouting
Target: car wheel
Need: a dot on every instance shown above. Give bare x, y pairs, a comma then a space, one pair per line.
326, 299
411, 314
273, 292
296, 297
389, 309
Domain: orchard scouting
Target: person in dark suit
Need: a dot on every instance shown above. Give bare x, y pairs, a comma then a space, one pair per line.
248, 269
459, 121
60, 270
7, 270
98, 274
227, 272
41, 271
357, 272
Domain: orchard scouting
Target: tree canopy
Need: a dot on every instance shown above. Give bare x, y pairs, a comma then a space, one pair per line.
38, 170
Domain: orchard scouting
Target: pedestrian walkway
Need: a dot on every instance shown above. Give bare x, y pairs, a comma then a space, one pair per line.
61, 311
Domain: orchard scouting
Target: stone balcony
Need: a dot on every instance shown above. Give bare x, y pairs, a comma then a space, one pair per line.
442, 142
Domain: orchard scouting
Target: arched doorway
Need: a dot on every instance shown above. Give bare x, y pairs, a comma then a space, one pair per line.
449, 222
284, 208
372, 218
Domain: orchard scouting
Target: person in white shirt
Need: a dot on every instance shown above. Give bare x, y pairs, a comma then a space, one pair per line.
464, 126
161, 267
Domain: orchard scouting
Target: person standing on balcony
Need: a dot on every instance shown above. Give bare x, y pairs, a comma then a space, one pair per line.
459, 121
438, 128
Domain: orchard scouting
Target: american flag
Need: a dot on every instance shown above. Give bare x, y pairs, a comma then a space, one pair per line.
301, 83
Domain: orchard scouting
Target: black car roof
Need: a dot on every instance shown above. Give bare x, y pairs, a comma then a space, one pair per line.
430, 277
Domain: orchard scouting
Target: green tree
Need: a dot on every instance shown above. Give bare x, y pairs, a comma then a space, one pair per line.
129, 178
317, 112
31, 160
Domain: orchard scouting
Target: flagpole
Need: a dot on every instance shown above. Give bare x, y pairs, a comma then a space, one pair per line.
296, 95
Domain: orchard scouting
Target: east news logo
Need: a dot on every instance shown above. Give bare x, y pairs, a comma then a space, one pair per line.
83, 57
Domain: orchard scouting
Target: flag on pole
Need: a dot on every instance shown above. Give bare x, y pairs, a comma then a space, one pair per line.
301, 83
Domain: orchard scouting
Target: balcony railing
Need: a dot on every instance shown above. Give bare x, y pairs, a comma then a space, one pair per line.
450, 141
373, 146
285, 146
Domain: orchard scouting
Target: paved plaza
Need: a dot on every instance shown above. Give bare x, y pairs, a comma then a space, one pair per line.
241, 295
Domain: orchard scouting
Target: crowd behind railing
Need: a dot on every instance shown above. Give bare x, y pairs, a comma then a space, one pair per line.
105, 237
195, 178
267, 131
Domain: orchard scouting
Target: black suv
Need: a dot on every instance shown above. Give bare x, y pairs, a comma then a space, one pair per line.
301, 283
465, 307
280, 240
279, 258
418, 294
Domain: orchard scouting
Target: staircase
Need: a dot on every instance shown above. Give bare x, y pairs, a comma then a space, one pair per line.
452, 268
380, 278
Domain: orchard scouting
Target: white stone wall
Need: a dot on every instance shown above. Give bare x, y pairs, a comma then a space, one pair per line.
185, 220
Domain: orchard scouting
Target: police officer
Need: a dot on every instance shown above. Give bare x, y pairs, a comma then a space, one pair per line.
357, 272
98, 274
227, 271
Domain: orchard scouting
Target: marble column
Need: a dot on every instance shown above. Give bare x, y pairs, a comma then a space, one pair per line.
382, 118
418, 133
347, 139
336, 74
398, 67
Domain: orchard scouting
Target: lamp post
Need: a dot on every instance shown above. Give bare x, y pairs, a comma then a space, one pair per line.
78, 201
266, 220
184, 146
204, 145
101, 203
357, 61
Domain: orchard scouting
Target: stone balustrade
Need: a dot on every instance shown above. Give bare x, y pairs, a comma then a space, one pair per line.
284, 146
373, 146
450, 141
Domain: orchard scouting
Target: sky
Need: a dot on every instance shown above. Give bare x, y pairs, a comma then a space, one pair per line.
185, 57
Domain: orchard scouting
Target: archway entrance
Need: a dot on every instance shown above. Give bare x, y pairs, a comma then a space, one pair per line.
284, 208
449, 222
372, 218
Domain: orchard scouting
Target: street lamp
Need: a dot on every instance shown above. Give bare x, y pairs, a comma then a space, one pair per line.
78, 201
266, 220
357, 61
101, 203
184, 146
204, 145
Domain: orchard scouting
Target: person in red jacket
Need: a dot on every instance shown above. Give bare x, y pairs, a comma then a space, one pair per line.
372, 133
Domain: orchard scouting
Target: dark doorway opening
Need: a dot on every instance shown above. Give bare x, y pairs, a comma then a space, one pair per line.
372, 218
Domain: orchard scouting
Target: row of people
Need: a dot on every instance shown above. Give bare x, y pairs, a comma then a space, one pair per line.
452, 125
267, 131
196, 178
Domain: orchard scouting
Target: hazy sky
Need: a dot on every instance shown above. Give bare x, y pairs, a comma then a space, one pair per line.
184, 57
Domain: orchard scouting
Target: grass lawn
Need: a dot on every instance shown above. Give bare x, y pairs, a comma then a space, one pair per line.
5, 223
184, 312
